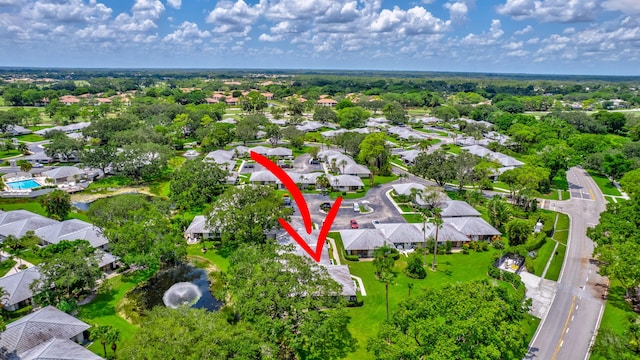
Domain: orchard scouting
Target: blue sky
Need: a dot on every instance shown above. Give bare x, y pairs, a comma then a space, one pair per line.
600, 37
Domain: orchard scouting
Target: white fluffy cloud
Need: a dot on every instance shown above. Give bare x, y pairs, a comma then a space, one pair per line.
523, 31
486, 38
625, 6
187, 34
565, 11
234, 18
176, 4
457, 10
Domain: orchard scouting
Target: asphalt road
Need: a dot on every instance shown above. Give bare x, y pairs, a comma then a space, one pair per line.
569, 327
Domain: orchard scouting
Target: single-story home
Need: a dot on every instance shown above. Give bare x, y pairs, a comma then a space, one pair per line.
65, 174
324, 154
362, 242
46, 334
405, 189
18, 286
475, 228
308, 126
446, 232
15, 130
403, 235
355, 170
71, 230
409, 156
346, 183
18, 222
198, 229
265, 177
504, 160
457, 208
39, 157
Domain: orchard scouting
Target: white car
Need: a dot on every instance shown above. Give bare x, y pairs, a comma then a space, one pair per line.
356, 207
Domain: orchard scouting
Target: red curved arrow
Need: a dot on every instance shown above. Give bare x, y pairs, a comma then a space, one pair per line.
290, 185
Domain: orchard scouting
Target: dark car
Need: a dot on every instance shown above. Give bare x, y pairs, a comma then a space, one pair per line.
354, 224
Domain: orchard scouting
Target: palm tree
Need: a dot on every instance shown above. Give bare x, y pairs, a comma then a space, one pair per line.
112, 337
333, 164
23, 148
437, 219
423, 145
323, 182
99, 333
383, 263
410, 286
343, 163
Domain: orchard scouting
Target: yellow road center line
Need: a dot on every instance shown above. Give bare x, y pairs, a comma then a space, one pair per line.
591, 193
564, 330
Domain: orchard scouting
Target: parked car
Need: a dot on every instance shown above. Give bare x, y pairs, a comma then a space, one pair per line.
38, 165
356, 207
354, 224
287, 200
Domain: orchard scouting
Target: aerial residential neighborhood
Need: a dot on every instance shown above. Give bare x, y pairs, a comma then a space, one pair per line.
317, 180
103, 219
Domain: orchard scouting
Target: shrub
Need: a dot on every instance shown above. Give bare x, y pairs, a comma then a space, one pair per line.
395, 254
498, 244
344, 193
414, 267
511, 278
448, 246
351, 257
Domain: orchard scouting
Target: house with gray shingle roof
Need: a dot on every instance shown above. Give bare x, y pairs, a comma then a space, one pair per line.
346, 183
63, 174
24, 338
59, 349
457, 208
446, 232
476, 228
409, 156
265, 177
71, 230
355, 170
18, 286
18, 222
402, 235
362, 242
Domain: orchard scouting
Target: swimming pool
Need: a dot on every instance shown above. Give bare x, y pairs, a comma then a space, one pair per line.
23, 184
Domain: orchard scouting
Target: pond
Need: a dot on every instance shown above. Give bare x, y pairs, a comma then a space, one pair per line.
197, 289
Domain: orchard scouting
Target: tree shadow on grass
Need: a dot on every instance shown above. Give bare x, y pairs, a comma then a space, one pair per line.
616, 298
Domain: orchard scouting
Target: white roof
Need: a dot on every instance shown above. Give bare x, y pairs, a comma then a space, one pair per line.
63, 172
264, 176
446, 232
198, 226
219, 156
400, 233
457, 208
18, 222
472, 226
39, 327
345, 180
354, 169
18, 285
363, 239
71, 230
59, 349
405, 189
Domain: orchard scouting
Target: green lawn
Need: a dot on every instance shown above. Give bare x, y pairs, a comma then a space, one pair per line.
604, 184
35, 207
553, 273
500, 184
405, 208
543, 257
563, 222
413, 218
9, 153
102, 310
30, 138
617, 312
212, 255
5, 266
30, 256
452, 268
560, 183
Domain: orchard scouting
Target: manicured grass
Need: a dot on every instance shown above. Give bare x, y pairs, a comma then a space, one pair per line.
500, 184
39, 127
604, 184
9, 153
553, 195
5, 266
413, 218
563, 222
553, 273
543, 257
212, 255
405, 207
617, 310
565, 195
561, 236
30, 138
102, 310
30, 256
35, 207
452, 268
379, 180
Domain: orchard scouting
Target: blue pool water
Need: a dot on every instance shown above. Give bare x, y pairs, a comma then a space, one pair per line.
23, 184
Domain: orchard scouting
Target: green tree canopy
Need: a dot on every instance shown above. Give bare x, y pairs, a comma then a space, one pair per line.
473, 320
193, 334
436, 166
244, 214
271, 290
375, 152
196, 183
57, 204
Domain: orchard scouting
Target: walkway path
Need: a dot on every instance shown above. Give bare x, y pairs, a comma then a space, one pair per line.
14, 269
360, 285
